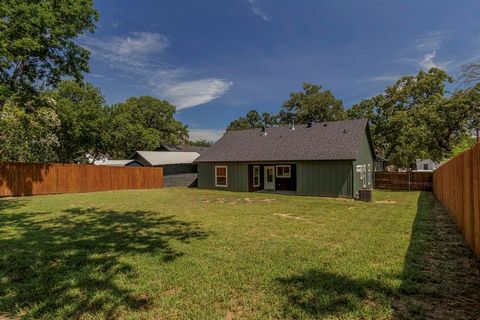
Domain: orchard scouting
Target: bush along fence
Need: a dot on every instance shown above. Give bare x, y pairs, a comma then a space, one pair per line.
456, 184
26, 179
413, 181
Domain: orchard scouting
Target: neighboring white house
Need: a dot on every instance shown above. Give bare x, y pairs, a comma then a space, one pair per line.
426, 165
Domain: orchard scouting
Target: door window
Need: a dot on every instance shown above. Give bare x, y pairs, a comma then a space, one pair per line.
269, 175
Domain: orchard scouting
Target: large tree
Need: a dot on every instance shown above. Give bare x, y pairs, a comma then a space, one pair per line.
312, 105
253, 120
37, 45
85, 126
414, 118
28, 136
144, 123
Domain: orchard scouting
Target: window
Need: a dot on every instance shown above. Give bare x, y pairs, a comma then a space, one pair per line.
425, 166
220, 176
283, 171
256, 176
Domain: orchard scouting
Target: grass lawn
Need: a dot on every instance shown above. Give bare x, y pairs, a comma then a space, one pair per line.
199, 254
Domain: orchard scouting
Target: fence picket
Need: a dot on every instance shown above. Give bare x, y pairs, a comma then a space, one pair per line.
26, 179
404, 180
456, 185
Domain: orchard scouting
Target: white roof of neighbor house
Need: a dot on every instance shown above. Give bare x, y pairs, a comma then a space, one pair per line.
119, 163
159, 158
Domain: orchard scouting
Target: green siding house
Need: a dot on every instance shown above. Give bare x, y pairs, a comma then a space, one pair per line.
333, 159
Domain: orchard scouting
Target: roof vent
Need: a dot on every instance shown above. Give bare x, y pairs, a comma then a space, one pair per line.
324, 124
309, 124
345, 131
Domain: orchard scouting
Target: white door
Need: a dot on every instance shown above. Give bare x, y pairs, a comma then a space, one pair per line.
269, 177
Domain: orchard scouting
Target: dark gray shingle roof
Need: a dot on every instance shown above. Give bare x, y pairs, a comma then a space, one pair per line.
338, 140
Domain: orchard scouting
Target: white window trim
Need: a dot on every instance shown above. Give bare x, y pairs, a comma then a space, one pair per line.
253, 176
283, 176
226, 177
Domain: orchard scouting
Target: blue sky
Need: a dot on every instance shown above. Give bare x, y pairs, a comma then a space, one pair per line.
217, 59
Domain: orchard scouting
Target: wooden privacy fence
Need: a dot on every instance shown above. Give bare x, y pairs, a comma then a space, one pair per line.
414, 181
26, 179
456, 185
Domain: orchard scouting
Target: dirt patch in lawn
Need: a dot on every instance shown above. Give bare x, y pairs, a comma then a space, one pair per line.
238, 200
441, 278
386, 202
288, 216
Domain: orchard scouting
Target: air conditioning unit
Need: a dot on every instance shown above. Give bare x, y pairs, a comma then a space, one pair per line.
365, 195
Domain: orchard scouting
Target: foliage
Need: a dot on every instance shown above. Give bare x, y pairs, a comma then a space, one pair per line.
85, 126
28, 136
199, 143
144, 123
463, 145
312, 105
36, 44
415, 119
253, 120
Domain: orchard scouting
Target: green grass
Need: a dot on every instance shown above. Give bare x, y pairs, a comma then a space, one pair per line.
199, 254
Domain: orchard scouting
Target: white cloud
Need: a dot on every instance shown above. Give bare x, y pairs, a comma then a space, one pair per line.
257, 10
205, 134
423, 54
188, 94
385, 78
136, 44
132, 55
139, 43
427, 62
129, 53
431, 41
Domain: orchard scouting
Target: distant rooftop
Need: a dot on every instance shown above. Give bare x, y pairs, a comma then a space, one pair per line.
183, 148
119, 163
158, 158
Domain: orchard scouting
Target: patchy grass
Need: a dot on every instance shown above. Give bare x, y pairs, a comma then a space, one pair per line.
198, 254
441, 276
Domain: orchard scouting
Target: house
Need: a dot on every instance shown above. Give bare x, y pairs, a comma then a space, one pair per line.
380, 163
426, 165
182, 148
325, 159
171, 162
118, 163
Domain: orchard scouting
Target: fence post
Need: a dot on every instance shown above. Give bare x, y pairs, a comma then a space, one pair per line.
409, 182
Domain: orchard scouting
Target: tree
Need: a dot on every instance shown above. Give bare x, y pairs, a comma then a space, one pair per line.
199, 143
471, 74
415, 119
253, 120
144, 123
85, 126
28, 136
312, 105
464, 144
36, 44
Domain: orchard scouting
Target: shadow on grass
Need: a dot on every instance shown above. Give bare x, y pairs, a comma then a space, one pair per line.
440, 279
320, 294
441, 276
68, 266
